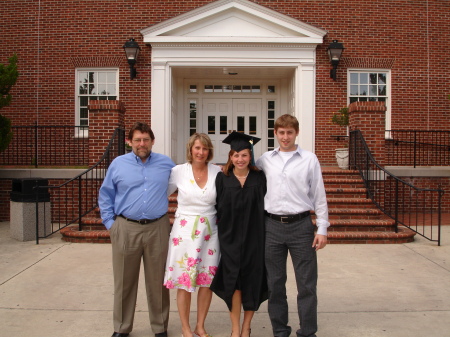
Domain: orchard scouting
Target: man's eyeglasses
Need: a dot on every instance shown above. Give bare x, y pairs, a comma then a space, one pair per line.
139, 140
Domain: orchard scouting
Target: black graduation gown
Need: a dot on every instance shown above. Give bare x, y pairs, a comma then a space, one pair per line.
241, 229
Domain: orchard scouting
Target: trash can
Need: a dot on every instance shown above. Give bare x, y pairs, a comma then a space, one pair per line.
23, 209
23, 190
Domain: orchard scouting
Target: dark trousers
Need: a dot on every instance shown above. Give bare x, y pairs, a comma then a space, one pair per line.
295, 238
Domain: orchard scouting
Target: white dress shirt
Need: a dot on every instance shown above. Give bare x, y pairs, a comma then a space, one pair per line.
295, 185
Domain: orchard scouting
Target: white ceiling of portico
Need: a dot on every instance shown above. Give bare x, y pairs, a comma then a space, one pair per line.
237, 21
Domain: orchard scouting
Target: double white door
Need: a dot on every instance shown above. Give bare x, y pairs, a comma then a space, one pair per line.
222, 116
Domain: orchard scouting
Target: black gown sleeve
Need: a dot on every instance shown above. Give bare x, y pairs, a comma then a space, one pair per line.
219, 192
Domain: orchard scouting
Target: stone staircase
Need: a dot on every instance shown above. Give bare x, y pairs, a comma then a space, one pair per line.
353, 217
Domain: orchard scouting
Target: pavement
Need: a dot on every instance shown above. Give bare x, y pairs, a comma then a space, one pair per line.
66, 289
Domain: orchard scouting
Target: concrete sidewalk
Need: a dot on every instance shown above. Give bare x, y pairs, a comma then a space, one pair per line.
59, 289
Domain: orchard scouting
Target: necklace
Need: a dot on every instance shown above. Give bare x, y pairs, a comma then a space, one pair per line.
199, 176
241, 177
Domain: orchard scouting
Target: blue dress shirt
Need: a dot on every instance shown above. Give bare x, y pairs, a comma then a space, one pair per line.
135, 189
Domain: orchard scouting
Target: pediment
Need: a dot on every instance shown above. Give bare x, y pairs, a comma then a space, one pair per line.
238, 21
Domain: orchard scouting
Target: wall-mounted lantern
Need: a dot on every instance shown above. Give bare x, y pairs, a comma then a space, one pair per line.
335, 50
132, 49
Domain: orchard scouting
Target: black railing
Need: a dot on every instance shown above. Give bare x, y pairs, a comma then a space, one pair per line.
419, 209
42, 145
71, 200
417, 148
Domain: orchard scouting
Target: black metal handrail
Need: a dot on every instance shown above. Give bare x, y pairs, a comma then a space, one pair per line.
73, 199
419, 209
417, 148
47, 145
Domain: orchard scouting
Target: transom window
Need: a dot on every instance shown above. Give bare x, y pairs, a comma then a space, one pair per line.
368, 86
94, 84
232, 88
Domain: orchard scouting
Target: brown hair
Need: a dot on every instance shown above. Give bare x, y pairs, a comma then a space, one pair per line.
287, 121
229, 165
205, 140
142, 127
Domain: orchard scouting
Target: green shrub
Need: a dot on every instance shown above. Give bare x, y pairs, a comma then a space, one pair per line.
340, 117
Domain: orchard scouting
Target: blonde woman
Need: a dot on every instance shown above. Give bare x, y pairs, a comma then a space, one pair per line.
193, 246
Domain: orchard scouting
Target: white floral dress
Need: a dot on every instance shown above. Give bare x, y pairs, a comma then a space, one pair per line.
194, 245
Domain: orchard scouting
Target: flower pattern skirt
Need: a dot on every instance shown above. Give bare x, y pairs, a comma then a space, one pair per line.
193, 253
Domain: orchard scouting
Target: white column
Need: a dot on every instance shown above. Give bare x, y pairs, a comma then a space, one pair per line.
305, 105
160, 105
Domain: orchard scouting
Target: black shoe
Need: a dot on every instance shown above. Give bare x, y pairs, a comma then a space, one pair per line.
119, 334
161, 334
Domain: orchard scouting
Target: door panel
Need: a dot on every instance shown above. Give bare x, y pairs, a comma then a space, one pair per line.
247, 119
217, 116
222, 116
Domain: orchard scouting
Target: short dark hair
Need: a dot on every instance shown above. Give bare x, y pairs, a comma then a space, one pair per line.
287, 121
142, 127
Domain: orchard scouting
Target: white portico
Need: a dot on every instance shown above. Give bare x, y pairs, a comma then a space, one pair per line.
231, 65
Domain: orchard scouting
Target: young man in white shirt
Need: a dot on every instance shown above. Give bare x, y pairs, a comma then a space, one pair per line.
294, 188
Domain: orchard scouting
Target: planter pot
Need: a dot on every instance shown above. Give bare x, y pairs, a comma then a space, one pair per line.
342, 158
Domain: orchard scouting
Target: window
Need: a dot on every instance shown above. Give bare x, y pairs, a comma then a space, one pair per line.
368, 86
94, 84
209, 88
270, 125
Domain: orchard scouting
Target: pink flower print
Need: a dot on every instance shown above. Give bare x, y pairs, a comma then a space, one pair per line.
183, 223
171, 268
191, 262
176, 241
198, 250
197, 232
207, 237
169, 284
198, 260
213, 270
185, 280
203, 279
210, 252
202, 219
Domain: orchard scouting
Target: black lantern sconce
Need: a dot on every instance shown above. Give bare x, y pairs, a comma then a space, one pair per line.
335, 50
132, 49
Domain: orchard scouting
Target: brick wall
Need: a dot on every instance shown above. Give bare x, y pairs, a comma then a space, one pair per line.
74, 33
432, 183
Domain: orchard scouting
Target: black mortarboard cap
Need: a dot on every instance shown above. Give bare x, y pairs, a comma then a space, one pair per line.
239, 141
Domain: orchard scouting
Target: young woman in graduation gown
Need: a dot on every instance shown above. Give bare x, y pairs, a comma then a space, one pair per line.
241, 278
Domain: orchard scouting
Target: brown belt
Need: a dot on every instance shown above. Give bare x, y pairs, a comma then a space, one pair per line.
142, 221
288, 218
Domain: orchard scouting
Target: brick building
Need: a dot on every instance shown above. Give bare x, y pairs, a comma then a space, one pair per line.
215, 66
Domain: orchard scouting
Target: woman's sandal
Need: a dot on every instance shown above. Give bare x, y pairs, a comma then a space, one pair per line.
249, 332
206, 335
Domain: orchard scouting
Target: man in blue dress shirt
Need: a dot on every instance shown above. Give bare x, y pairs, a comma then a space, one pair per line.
133, 205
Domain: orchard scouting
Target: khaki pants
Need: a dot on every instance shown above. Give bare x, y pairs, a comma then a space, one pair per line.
131, 243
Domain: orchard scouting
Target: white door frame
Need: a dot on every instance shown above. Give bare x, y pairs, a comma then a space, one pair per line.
303, 97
